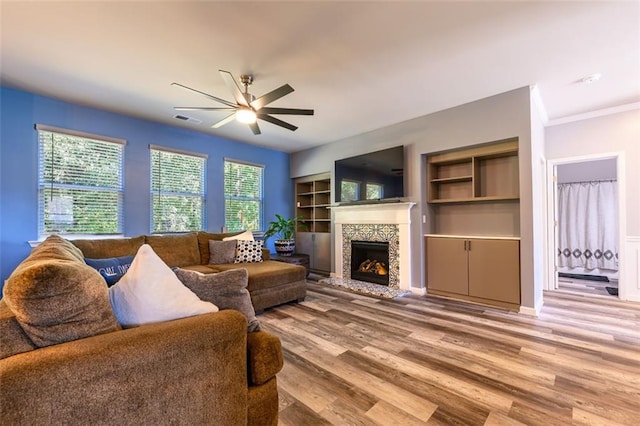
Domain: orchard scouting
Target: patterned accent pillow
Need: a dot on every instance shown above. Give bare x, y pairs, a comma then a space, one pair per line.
248, 251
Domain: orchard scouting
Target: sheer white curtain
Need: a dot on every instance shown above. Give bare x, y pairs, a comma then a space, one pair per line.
588, 225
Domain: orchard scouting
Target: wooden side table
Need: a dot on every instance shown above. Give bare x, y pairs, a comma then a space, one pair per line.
295, 259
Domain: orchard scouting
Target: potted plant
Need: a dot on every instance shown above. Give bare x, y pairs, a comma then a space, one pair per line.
285, 229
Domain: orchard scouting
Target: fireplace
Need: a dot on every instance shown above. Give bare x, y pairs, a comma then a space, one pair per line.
370, 261
382, 223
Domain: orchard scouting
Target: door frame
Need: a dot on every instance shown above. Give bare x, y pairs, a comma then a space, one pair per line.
551, 283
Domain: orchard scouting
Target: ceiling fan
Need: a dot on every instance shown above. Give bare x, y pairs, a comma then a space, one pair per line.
247, 108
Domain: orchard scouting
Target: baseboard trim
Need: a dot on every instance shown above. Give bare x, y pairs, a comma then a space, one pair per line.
532, 312
419, 291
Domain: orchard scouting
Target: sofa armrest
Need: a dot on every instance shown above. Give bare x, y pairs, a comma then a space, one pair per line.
264, 357
186, 371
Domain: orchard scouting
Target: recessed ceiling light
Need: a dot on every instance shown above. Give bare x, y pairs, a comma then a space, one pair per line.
591, 78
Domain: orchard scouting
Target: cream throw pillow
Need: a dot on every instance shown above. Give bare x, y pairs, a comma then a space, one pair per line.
246, 236
150, 292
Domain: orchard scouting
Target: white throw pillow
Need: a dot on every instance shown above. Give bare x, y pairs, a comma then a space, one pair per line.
151, 292
246, 236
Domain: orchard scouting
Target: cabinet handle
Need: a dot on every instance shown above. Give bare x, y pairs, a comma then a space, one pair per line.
465, 245
469, 245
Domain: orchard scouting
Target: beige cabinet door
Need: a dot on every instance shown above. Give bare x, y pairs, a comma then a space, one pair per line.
322, 252
318, 246
494, 270
447, 265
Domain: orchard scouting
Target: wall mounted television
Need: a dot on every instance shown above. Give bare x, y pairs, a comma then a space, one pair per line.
369, 178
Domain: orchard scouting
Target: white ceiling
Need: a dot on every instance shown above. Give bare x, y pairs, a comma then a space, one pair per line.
360, 65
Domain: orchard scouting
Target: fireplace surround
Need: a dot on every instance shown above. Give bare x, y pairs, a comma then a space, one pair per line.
385, 222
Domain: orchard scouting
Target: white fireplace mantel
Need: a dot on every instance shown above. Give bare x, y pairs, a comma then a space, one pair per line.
397, 214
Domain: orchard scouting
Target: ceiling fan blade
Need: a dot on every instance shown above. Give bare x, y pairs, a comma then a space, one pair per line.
271, 96
290, 111
222, 101
204, 108
233, 86
255, 128
277, 122
224, 121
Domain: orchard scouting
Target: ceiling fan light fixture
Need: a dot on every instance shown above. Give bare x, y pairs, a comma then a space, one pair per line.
246, 116
245, 106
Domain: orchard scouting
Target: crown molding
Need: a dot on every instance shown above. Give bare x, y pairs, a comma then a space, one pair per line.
594, 114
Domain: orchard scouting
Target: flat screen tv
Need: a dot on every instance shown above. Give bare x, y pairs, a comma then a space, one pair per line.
368, 178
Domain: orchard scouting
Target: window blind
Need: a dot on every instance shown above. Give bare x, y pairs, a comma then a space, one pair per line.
177, 191
243, 194
80, 184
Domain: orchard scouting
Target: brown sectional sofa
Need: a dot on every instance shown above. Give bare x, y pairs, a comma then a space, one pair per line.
271, 282
204, 369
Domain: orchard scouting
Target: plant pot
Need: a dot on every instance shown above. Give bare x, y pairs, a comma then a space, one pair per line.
285, 247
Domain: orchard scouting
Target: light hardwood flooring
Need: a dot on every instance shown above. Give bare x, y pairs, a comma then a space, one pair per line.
357, 360
586, 287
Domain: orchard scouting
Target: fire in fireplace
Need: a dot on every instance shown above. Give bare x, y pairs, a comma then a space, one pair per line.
370, 261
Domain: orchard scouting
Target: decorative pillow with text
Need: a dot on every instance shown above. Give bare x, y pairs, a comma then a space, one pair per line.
111, 269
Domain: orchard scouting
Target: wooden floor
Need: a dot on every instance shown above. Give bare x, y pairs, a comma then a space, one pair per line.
586, 287
357, 360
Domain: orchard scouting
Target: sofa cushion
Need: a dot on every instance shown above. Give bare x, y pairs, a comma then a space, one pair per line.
56, 297
13, 339
264, 357
103, 248
150, 292
222, 252
203, 243
248, 251
111, 269
269, 273
175, 250
227, 290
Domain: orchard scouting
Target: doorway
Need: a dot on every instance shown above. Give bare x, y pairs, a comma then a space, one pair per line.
586, 222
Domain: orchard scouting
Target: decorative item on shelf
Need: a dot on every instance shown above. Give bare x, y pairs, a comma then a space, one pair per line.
285, 228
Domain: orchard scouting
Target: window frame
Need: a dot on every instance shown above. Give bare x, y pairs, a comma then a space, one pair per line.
260, 229
153, 192
50, 184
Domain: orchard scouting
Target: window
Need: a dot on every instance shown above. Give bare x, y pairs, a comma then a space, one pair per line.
243, 196
80, 183
349, 190
374, 191
177, 190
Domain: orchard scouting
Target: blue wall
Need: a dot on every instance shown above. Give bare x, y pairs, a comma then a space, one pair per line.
20, 111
